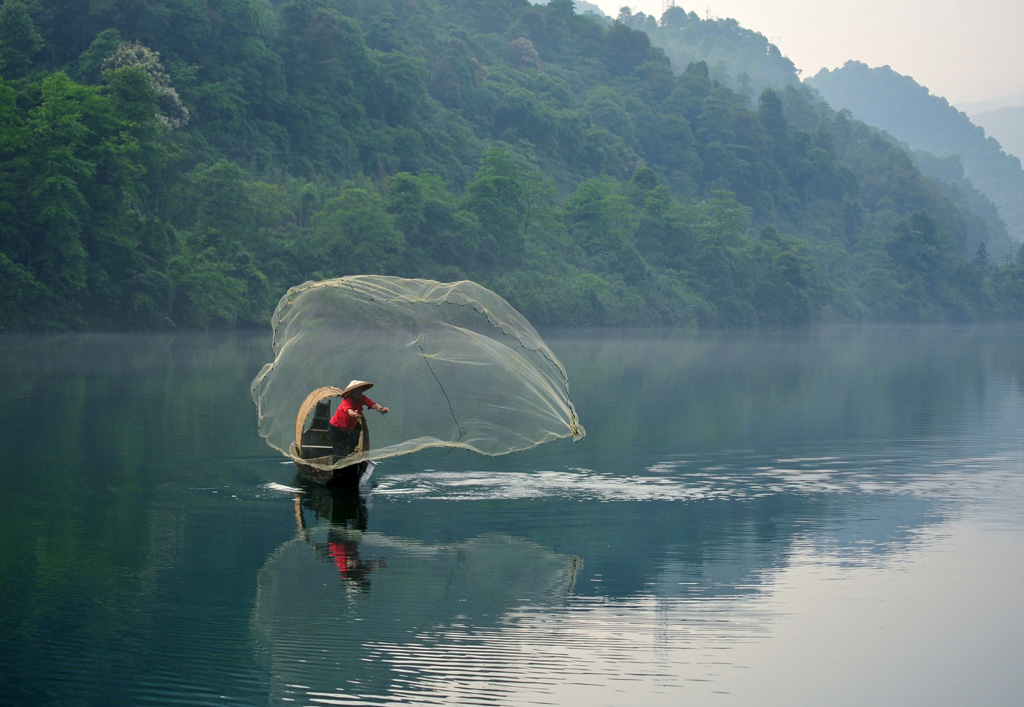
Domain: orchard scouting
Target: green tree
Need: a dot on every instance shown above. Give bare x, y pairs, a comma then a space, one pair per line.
881, 294
88, 68
428, 215
769, 112
134, 54
721, 265
13, 140
402, 88
607, 109
919, 247
664, 231
600, 222
788, 285
627, 48
495, 198
21, 296
217, 209
58, 143
457, 77
206, 291
353, 234
19, 40
981, 257
517, 110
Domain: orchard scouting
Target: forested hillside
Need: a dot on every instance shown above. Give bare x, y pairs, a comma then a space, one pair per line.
181, 163
740, 58
906, 109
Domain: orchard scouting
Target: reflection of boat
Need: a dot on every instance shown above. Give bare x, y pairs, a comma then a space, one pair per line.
345, 513
312, 443
347, 615
338, 507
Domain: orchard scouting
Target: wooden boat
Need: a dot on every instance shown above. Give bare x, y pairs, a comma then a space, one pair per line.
313, 443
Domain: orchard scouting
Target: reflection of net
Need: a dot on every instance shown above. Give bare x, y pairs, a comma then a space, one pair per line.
455, 363
344, 635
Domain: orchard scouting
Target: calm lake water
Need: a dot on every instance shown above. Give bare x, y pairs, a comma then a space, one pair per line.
831, 517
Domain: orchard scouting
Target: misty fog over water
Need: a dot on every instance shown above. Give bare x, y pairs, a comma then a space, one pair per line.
831, 516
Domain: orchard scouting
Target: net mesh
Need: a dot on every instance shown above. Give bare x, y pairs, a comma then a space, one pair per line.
454, 362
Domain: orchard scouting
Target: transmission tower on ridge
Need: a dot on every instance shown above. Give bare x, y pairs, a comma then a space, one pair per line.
666, 4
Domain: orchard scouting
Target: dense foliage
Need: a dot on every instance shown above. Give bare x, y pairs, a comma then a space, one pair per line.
182, 162
740, 58
906, 109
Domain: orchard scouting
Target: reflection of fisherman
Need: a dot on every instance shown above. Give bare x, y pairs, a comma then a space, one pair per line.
347, 516
345, 553
344, 427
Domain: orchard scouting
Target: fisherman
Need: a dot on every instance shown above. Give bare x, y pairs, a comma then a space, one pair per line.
344, 427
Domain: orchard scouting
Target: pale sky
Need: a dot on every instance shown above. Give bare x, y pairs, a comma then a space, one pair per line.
965, 52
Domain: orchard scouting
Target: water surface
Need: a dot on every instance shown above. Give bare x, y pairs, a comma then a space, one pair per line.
829, 517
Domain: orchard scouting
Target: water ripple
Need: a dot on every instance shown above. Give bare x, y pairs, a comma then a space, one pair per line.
918, 471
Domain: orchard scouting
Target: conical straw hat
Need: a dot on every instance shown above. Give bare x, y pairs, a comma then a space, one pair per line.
356, 385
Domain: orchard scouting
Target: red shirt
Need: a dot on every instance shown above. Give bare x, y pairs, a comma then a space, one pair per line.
341, 417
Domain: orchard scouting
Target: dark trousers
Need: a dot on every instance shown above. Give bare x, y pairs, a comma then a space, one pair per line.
343, 441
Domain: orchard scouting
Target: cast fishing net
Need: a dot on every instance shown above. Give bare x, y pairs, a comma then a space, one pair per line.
455, 363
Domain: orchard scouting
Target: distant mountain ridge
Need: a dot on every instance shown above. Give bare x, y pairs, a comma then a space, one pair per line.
907, 110
748, 63
973, 108
1006, 125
